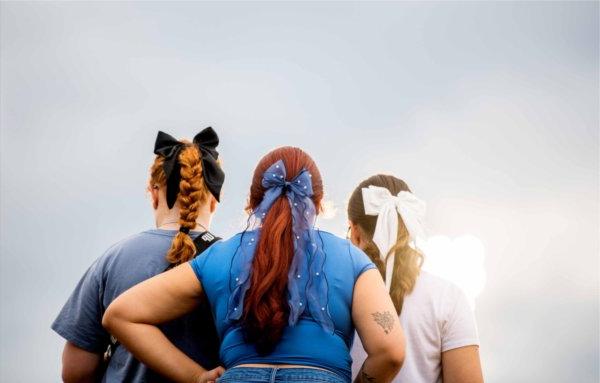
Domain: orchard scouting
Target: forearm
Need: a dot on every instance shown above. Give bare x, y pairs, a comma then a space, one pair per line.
378, 369
149, 345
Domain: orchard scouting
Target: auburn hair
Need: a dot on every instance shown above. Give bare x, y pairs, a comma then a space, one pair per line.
408, 261
266, 308
193, 193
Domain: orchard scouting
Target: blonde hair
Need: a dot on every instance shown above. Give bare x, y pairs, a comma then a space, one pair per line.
192, 194
408, 261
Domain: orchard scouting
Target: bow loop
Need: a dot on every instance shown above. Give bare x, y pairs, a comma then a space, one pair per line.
208, 139
214, 177
169, 148
378, 201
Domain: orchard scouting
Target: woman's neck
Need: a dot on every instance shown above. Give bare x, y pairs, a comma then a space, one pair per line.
170, 221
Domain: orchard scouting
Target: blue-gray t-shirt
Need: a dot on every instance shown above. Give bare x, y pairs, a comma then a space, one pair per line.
122, 266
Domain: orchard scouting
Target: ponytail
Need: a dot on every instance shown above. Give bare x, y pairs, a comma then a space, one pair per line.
192, 194
266, 308
407, 266
408, 261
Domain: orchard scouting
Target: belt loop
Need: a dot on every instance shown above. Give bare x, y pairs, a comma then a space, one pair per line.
273, 375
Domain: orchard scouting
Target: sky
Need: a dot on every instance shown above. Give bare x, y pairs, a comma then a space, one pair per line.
489, 111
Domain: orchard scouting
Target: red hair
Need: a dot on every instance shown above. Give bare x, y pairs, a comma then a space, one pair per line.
266, 302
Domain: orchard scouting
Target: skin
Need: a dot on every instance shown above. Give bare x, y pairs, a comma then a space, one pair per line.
82, 366
378, 327
134, 315
460, 365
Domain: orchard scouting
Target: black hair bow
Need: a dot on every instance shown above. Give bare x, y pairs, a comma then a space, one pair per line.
207, 142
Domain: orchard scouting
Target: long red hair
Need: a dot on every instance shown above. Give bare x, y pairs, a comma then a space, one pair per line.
266, 303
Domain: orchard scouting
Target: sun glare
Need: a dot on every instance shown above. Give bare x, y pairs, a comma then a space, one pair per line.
459, 260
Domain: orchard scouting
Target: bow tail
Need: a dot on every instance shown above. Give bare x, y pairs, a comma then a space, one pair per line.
317, 291
240, 275
386, 230
297, 273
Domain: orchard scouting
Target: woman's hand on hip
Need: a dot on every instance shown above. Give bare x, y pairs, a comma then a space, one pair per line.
211, 376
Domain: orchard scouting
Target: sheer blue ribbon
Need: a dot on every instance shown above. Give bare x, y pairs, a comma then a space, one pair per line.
307, 283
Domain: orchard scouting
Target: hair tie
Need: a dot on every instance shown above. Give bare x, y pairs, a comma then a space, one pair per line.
184, 230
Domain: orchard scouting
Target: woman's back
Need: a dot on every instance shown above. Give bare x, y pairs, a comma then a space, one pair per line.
305, 343
122, 266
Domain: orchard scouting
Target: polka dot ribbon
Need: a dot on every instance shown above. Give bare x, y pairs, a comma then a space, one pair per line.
307, 283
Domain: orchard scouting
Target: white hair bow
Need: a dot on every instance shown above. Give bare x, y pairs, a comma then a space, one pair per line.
380, 202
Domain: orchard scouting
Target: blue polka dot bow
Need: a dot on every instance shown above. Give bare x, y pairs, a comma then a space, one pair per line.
307, 283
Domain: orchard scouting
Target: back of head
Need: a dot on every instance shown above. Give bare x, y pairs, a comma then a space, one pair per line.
266, 304
192, 194
407, 262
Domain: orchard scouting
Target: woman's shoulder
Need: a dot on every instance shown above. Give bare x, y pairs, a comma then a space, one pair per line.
331, 239
118, 257
437, 292
442, 305
145, 241
436, 285
226, 248
232, 243
340, 250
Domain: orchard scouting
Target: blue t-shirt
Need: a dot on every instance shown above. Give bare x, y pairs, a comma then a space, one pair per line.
306, 343
124, 265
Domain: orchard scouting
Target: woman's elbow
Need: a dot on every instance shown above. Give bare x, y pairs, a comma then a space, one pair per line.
111, 317
394, 355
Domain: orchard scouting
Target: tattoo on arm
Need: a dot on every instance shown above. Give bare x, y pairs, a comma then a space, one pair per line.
366, 377
363, 377
385, 320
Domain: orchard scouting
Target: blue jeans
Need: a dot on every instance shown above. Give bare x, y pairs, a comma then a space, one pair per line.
277, 375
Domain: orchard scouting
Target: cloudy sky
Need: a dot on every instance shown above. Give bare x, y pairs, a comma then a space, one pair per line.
489, 111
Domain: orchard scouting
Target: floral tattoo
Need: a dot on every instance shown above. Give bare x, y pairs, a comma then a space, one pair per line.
385, 320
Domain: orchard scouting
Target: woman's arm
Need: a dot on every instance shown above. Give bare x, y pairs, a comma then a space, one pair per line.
462, 365
79, 365
133, 316
378, 327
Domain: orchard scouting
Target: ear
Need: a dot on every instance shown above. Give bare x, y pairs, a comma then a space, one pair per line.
213, 204
355, 235
153, 189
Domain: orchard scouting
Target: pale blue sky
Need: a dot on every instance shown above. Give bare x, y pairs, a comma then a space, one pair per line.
488, 110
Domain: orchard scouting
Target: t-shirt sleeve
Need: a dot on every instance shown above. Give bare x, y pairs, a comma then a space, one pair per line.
80, 320
360, 261
459, 328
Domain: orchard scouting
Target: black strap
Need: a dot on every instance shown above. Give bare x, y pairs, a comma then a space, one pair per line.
202, 242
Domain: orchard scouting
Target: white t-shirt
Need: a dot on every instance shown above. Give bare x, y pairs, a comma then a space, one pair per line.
435, 317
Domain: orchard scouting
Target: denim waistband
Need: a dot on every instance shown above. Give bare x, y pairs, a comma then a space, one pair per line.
279, 374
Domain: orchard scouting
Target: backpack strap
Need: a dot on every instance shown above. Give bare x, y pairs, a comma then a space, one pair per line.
204, 241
